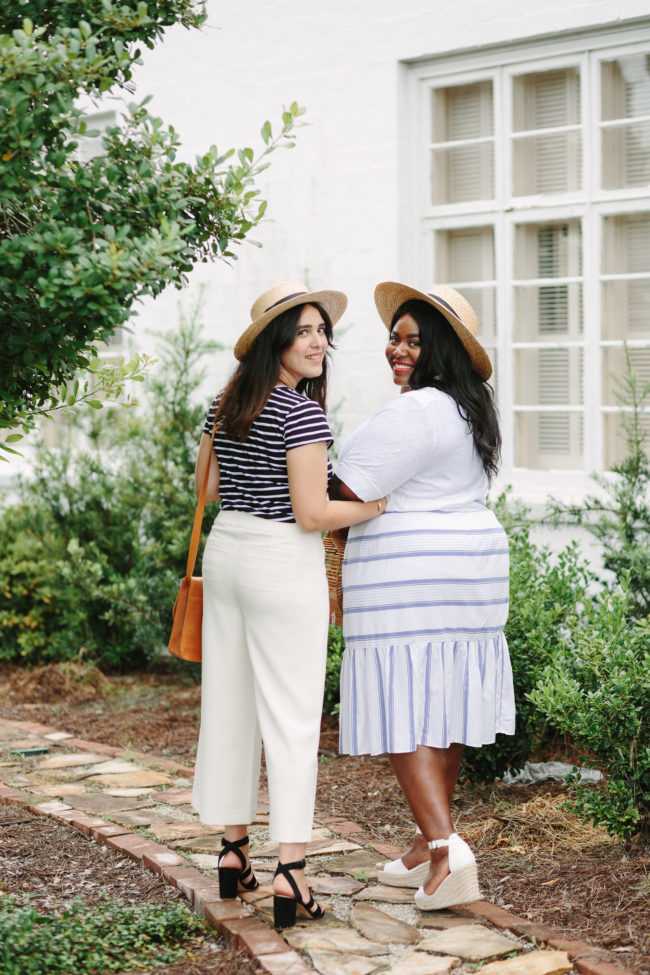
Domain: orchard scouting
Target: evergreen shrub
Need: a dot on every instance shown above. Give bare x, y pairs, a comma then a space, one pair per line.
596, 689
91, 556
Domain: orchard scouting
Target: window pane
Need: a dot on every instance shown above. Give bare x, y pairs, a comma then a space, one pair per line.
614, 368
466, 173
626, 243
547, 312
615, 440
626, 310
548, 250
548, 441
551, 163
626, 250
546, 99
546, 377
467, 255
626, 155
625, 87
547, 164
464, 255
464, 114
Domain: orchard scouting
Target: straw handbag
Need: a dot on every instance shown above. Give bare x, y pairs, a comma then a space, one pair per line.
185, 639
334, 548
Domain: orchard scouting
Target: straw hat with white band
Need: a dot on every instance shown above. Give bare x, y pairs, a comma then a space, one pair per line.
389, 296
279, 299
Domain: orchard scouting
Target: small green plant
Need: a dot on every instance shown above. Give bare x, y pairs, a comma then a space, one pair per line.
597, 690
108, 936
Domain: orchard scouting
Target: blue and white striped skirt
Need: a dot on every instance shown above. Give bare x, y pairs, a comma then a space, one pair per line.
425, 600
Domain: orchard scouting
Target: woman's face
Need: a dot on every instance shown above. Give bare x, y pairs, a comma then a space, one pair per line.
304, 358
403, 349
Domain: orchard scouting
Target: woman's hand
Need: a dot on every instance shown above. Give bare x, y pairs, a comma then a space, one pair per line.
207, 455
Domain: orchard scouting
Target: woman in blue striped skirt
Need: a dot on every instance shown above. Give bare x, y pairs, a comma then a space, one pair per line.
425, 586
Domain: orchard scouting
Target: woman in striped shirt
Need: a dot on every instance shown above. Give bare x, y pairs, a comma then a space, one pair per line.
426, 668
265, 597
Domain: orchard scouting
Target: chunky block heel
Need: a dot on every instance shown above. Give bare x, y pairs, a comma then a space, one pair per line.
284, 911
231, 878
228, 881
285, 908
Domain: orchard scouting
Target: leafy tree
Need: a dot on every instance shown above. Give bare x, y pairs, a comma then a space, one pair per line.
82, 242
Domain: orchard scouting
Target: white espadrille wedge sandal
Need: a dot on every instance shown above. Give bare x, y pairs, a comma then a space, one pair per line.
396, 874
461, 886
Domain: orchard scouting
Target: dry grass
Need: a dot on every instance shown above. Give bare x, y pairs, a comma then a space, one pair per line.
541, 823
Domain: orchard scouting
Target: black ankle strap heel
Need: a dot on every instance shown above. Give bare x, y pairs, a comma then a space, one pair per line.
285, 908
230, 878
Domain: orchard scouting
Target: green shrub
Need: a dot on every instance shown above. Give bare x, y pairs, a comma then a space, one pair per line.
335, 648
547, 595
597, 690
91, 557
106, 937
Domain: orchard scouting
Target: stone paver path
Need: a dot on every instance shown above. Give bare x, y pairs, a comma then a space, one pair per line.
140, 805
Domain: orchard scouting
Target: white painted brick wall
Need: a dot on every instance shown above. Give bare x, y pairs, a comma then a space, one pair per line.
334, 199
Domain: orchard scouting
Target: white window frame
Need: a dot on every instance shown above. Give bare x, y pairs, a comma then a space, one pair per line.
420, 219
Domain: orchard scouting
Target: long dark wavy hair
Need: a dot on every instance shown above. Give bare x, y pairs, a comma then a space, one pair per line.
250, 386
444, 363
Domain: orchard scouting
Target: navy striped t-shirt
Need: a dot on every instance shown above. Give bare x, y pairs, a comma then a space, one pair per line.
253, 474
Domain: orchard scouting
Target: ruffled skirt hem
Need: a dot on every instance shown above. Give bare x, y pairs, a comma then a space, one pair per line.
396, 697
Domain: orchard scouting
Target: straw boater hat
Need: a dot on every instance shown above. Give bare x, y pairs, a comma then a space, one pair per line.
389, 295
280, 298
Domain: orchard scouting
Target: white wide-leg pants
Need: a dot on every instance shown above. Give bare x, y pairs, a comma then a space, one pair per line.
265, 617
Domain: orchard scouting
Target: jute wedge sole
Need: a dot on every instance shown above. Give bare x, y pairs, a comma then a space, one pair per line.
460, 887
392, 876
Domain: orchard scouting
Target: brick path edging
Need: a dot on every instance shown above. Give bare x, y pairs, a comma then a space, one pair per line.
234, 920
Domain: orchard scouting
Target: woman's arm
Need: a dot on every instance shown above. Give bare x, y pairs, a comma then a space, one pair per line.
307, 471
207, 455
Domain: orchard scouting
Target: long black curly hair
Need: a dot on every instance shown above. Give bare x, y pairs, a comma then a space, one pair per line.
444, 363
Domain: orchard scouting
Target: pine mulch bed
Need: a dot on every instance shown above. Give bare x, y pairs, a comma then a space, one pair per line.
535, 859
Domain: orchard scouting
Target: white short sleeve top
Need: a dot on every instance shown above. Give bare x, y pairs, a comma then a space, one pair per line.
419, 451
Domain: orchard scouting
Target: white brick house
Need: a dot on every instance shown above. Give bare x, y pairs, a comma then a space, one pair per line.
501, 146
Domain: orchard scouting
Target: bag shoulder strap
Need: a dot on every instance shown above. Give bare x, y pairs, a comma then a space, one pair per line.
198, 515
